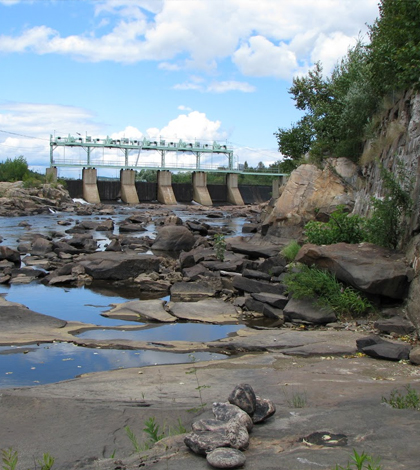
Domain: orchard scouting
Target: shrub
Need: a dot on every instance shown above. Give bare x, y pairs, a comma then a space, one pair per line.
341, 227
326, 290
398, 400
291, 250
13, 170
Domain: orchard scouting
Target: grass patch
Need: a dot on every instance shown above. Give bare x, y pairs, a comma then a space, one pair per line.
361, 462
408, 400
290, 250
326, 291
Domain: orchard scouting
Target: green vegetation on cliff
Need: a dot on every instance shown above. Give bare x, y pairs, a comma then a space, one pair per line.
339, 108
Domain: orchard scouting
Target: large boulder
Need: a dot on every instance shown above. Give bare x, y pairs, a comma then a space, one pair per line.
117, 266
310, 190
173, 238
369, 268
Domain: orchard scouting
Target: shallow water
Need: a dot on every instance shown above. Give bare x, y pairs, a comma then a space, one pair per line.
46, 363
54, 362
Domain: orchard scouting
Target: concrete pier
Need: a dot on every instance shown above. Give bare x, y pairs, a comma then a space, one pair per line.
200, 192
233, 193
165, 192
128, 187
51, 174
90, 188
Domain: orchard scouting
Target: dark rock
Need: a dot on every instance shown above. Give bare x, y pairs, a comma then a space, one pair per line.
264, 409
223, 457
306, 311
9, 254
196, 272
415, 355
173, 238
115, 245
202, 442
376, 347
367, 267
249, 228
278, 301
105, 226
227, 411
274, 265
243, 396
274, 313
237, 245
253, 274
253, 305
118, 266
127, 228
191, 291
41, 246
253, 286
395, 325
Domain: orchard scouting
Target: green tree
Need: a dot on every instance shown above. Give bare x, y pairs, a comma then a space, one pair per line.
14, 170
395, 46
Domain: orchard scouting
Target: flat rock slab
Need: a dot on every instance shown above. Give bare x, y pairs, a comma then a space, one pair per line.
141, 310
191, 291
81, 422
207, 311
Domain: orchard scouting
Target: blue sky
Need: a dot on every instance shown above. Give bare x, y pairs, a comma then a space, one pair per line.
179, 69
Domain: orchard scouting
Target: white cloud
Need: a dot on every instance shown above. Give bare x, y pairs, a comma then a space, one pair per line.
216, 87
264, 38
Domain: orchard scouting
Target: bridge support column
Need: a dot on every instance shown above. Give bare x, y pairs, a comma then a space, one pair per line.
277, 183
200, 192
90, 188
128, 187
165, 192
51, 174
233, 194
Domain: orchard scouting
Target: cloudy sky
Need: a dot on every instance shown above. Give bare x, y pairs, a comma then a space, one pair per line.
179, 69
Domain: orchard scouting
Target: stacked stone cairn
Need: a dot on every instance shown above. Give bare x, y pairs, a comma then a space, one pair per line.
223, 439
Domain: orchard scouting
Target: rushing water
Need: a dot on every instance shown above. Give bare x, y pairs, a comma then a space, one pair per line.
52, 362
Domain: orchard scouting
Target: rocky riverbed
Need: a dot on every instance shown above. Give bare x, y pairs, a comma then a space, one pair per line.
321, 372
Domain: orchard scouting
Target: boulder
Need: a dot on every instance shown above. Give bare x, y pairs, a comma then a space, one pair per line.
202, 442
41, 246
303, 310
253, 286
308, 190
173, 238
273, 313
275, 300
252, 250
415, 356
9, 254
367, 267
191, 291
105, 226
394, 325
375, 346
118, 266
224, 457
254, 274
243, 396
227, 411
264, 409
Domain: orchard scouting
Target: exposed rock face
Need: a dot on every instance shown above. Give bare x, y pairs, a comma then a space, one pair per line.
366, 267
309, 189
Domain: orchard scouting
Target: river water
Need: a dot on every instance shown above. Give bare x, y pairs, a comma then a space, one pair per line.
45, 363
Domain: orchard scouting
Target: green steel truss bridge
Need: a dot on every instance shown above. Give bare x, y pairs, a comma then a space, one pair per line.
130, 154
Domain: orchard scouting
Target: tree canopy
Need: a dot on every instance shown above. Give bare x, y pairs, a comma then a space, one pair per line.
339, 106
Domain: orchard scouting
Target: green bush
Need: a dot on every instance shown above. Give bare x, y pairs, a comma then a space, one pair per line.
398, 400
13, 170
325, 290
341, 227
291, 250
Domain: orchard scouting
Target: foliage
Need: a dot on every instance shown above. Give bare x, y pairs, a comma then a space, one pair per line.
10, 460
291, 250
323, 287
395, 46
387, 222
199, 387
295, 142
341, 227
13, 170
361, 462
220, 246
397, 399
152, 430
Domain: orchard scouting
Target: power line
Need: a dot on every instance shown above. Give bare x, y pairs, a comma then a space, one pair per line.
23, 135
